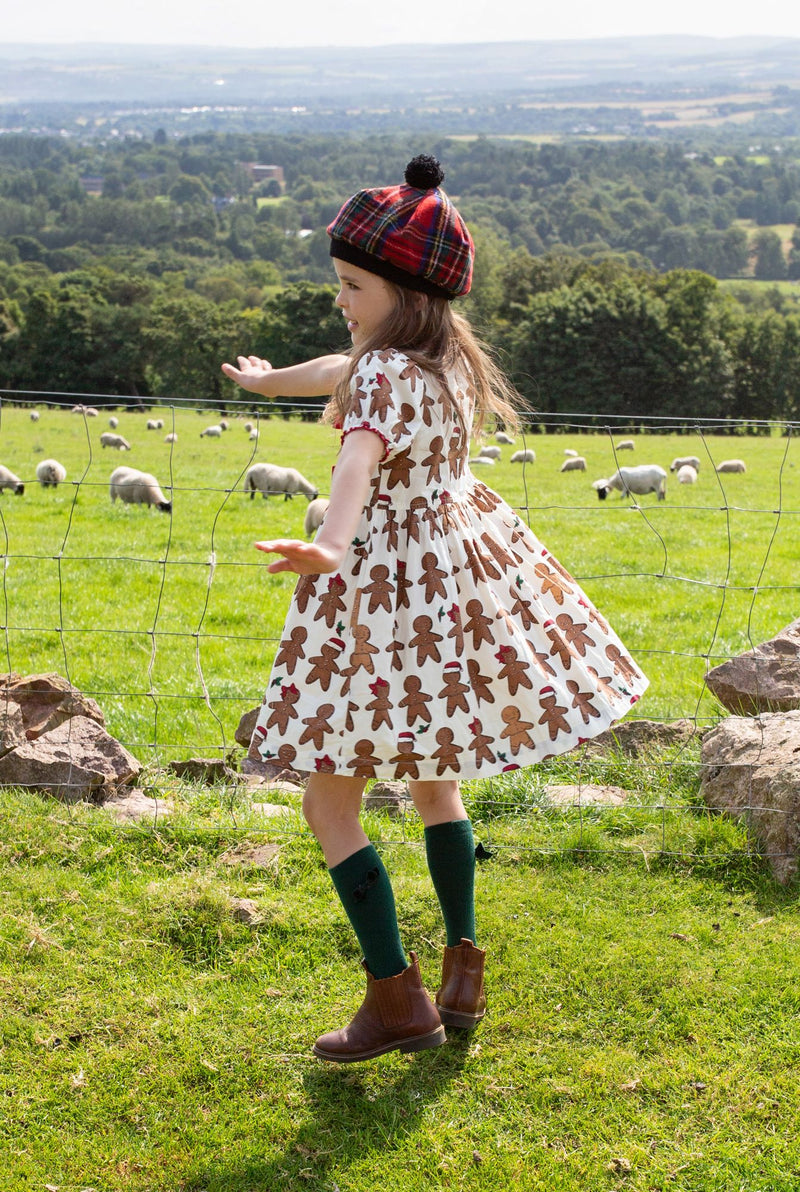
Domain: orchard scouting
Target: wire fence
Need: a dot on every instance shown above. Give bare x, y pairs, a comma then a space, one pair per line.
175, 665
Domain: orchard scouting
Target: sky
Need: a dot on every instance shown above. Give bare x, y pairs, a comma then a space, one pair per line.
258, 24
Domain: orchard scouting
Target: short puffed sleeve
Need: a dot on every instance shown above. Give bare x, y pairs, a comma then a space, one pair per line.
388, 391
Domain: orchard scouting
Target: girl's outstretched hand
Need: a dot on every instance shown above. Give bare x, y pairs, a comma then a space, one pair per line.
250, 374
304, 558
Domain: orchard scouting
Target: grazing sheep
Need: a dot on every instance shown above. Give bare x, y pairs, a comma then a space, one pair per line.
223, 425
272, 478
172, 437
254, 435
79, 409
482, 459
732, 465
155, 423
137, 488
490, 452
528, 456
315, 515
682, 461
570, 451
211, 432
109, 439
646, 478
50, 473
113, 422
626, 445
687, 474
502, 437
34, 415
248, 426
576, 464
9, 480
91, 412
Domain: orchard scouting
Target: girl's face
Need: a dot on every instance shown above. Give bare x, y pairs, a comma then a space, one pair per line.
365, 300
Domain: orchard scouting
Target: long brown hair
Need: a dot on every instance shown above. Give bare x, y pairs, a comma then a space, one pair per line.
436, 339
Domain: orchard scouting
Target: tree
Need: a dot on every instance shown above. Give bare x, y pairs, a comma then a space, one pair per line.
770, 263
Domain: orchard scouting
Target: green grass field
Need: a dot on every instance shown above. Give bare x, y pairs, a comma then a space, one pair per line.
148, 613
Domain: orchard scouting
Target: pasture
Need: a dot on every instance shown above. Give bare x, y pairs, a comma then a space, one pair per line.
171, 622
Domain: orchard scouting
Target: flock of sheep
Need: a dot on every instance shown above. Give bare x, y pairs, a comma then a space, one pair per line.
638, 480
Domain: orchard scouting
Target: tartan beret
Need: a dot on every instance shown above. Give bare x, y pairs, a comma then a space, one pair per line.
410, 234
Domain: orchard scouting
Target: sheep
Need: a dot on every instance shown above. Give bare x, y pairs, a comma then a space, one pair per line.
490, 452
254, 435
34, 415
528, 456
502, 437
645, 478
272, 478
248, 426
79, 409
91, 412
211, 432
732, 465
137, 488
155, 423
626, 445
687, 474
109, 439
482, 459
172, 437
9, 480
315, 515
683, 461
113, 422
570, 451
576, 464
50, 473
223, 425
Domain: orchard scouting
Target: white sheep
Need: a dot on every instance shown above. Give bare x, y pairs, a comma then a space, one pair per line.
91, 412
732, 465
223, 425
683, 461
483, 460
137, 488
528, 456
315, 515
490, 452
248, 426
113, 422
272, 478
34, 415
172, 437
109, 439
645, 478
576, 464
155, 423
570, 451
79, 409
50, 473
687, 474
211, 432
626, 445
502, 437
254, 435
9, 480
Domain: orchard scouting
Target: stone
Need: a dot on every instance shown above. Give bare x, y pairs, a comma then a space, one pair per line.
636, 737
252, 856
245, 910
256, 772
750, 769
47, 701
390, 796
765, 679
586, 794
132, 805
272, 810
244, 729
204, 769
12, 725
77, 761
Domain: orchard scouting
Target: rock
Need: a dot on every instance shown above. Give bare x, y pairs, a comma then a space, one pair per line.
766, 679
390, 797
272, 810
132, 805
47, 701
635, 737
252, 856
204, 769
244, 729
12, 725
257, 771
586, 795
751, 770
245, 910
77, 761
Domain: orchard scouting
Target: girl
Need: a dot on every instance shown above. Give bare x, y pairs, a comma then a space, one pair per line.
431, 636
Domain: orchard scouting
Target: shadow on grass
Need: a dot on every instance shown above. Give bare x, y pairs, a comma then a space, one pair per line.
351, 1115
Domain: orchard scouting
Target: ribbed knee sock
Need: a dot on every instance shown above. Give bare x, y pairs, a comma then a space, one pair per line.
450, 850
363, 886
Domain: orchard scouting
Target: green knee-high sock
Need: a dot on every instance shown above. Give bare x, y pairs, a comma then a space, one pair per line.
450, 850
363, 886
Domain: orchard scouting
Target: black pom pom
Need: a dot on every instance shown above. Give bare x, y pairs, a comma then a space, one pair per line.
424, 172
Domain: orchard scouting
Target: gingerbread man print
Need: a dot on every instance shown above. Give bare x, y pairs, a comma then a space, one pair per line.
415, 701
582, 701
380, 398
364, 763
317, 726
513, 669
406, 758
621, 664
434, 460
323, 666
425, 641
454, 690
448, 751
552, 713
432, 578
331, 604
290, 651
516, 730
479, 683
380, 705
283, 709
380, 590
478, 624
480, 742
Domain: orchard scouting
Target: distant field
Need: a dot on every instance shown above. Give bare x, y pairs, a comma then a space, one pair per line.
142, 610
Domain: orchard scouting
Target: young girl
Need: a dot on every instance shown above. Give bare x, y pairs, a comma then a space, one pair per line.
432, 637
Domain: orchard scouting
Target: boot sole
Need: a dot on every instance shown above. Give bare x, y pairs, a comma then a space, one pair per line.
459, 1019
415, 1043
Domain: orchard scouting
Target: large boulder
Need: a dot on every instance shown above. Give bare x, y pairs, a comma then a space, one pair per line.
765, 679
12, 725
751, 770
244, 729
46, 701
637, 737
77, 761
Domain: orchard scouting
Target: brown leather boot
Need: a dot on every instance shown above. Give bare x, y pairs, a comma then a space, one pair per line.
461, 1000
396, 1015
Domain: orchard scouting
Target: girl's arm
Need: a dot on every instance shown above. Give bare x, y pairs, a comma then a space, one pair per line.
312, 378
355, 467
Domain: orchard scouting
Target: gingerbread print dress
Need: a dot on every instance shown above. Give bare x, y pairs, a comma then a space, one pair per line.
451, 644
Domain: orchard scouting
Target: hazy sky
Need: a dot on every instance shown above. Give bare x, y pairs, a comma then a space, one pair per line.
261, 23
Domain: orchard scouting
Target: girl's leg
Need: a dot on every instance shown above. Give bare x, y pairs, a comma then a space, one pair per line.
331, 805
450, 852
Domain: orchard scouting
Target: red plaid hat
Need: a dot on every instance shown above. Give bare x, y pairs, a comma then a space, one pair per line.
410, 234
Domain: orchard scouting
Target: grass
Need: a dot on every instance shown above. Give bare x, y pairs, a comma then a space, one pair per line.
149, 613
